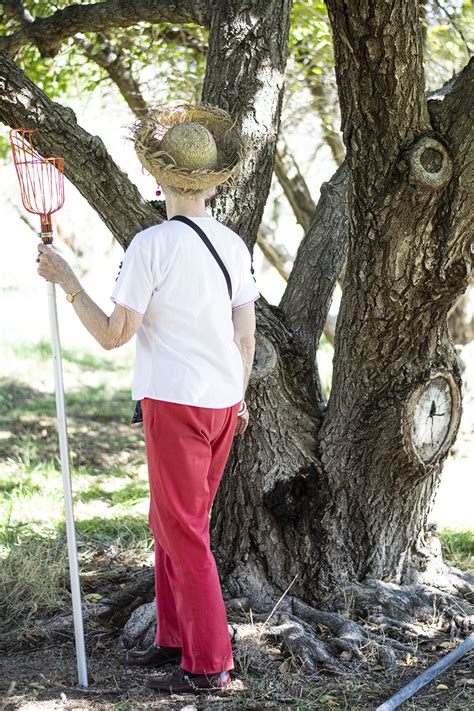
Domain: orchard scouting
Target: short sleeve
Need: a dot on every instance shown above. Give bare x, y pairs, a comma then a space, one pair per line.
135, 283
246, 291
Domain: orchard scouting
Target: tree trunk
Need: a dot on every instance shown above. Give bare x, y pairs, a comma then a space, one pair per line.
348, 500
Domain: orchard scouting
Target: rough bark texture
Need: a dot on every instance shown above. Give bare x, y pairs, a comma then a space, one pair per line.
408, 261
318, 264
244, 75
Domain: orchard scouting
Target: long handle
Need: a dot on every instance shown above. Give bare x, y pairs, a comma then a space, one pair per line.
66, 474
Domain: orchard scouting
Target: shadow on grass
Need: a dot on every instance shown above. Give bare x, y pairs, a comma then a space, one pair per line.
100, 434
18, 399
34, 578
41, 352
124, 530
129, 494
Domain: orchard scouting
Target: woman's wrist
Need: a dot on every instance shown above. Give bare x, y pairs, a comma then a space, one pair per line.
243, 408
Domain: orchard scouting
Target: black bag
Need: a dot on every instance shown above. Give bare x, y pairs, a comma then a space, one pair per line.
138, 415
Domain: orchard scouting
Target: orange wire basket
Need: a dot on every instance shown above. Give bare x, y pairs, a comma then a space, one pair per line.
41, 180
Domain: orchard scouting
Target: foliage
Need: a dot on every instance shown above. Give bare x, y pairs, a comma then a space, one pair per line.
448, 26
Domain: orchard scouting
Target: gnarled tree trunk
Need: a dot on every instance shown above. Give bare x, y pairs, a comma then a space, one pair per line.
343, 494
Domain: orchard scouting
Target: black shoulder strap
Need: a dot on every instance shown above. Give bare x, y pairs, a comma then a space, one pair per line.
210, 247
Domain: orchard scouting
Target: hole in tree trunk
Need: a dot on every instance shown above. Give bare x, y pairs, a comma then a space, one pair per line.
431, 160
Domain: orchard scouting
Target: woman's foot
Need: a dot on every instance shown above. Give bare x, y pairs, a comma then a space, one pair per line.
182, 681
154, 656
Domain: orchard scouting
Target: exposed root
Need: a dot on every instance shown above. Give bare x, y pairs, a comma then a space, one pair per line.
371, 623
301, 641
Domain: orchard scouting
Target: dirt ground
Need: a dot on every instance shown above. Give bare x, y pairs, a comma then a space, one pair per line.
41, 674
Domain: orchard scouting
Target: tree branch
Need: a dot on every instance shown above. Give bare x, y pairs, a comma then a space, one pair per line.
276, 254
321, 102
16, 9
112, 62
87, 163
293, 184
245, 74
48, 33
448, 109
318, 264
379, 71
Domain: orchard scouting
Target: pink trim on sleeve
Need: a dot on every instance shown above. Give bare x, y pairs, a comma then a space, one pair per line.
245, 304
129, 308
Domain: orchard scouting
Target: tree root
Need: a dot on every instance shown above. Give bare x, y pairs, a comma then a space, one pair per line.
370, 623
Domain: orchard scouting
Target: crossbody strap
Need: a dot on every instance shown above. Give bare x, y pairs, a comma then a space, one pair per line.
210, 247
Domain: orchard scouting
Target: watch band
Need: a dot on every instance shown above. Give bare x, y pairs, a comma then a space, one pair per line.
71, 297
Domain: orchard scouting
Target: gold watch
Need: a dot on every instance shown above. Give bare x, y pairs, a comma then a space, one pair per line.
71, 297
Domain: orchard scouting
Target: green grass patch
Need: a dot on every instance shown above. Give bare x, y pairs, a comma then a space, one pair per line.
108, 473
41, 352
458, 548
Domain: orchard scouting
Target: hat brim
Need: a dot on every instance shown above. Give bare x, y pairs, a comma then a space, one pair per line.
149, 131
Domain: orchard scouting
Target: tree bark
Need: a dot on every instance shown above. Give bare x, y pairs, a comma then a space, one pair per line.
244, 75
407, 264
353, 504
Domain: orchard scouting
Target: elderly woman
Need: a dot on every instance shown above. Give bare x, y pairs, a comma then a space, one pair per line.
186, 290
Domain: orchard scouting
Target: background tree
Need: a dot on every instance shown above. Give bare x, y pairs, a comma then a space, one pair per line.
331, 501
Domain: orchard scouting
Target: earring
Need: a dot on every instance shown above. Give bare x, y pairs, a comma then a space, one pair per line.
158, 191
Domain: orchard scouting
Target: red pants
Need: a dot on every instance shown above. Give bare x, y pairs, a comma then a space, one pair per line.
187, 449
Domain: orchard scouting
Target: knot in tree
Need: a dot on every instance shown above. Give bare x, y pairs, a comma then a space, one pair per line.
430, 164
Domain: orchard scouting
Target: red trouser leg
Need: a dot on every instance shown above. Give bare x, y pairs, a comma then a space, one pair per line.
187, 448
167, 630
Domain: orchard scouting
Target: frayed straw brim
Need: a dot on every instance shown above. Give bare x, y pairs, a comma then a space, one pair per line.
149, 131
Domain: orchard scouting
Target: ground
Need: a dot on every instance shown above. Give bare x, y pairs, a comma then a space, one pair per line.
115, 551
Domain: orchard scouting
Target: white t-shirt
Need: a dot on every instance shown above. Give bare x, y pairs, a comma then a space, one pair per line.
185, 350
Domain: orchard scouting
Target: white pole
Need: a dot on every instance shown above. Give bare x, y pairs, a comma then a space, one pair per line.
66, 474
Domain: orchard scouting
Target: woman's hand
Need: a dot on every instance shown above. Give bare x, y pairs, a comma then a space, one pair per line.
52, 267
242, 422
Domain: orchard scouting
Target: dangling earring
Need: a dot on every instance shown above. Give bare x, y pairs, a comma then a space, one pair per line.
158, 191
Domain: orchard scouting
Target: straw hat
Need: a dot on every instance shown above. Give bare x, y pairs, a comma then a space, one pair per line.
188, 148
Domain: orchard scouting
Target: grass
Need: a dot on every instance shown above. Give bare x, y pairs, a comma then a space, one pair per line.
108, 473
458, 548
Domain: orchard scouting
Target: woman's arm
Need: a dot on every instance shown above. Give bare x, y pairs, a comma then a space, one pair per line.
109, 331
243, 319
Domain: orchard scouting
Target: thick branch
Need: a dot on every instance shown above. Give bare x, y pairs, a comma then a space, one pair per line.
379, 71
244, 75
448, 110
87, 163
318, 263
49, 32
